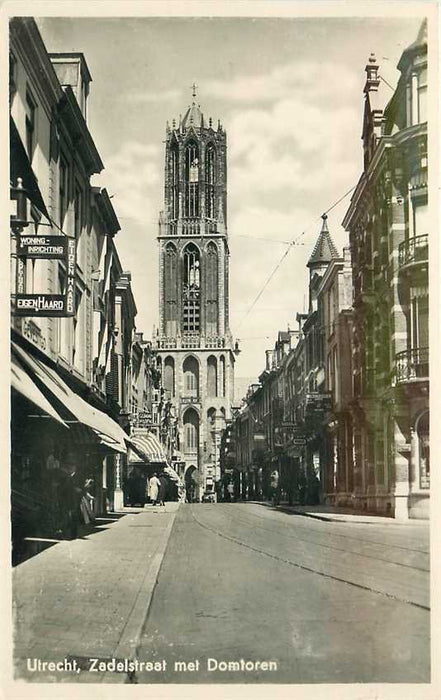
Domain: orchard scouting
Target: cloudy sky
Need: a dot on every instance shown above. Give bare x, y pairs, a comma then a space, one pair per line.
289, 93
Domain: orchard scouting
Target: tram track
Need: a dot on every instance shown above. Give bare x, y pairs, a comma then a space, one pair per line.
341, 549
307, 568
347, 537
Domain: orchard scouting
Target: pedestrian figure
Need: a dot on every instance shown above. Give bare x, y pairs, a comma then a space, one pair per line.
70, 494
87, 502
154, 485
275, 488
162, 488
230, 489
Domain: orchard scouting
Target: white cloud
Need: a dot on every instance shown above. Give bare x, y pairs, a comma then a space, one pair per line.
147, 97
284, 80
129, 176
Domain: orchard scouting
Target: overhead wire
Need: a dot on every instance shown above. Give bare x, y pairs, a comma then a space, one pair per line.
293, 242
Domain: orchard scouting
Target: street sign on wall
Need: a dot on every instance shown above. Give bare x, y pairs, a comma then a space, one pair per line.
44, 305
47, 247
41, 304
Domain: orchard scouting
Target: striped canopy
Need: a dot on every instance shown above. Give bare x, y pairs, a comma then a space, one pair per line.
148, 447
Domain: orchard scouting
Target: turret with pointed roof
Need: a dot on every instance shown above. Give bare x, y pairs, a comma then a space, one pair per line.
324, 249
324, 252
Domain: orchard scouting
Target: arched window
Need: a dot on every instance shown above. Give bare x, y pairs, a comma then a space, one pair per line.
222, 375
210, 178
212, 285
191, 430
169, 376
191, 376
191, 288
174, 171
170, 290
211, 438
191, 180
211, 376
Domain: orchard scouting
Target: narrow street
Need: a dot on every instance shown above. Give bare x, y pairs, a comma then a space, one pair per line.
328, 602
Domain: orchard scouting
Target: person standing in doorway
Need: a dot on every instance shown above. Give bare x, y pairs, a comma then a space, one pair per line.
70, 494
162, 489
154, 485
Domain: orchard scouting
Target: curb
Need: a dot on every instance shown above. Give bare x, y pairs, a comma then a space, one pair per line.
130, 638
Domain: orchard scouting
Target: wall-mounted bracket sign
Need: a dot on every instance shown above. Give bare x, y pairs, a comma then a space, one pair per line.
42, 246
48, 247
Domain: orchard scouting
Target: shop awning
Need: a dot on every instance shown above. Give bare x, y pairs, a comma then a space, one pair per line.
174, 476
23, 384
108, 430
148, 447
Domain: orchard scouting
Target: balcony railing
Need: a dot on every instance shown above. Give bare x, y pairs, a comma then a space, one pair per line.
188, 226
192, 340
414, 250
412, 365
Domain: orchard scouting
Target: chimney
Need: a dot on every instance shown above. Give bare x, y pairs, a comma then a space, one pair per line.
72, 71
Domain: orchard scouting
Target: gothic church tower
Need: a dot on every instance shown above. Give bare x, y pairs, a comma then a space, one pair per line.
194, 342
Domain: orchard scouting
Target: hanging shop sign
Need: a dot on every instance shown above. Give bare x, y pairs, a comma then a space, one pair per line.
45, 305
41, 304
318, 402
42, 246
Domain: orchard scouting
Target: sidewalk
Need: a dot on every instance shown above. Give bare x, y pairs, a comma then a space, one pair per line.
89, 597
340, 515
343, 515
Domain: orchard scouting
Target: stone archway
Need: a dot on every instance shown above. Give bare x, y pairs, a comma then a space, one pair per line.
191, 479
422, 429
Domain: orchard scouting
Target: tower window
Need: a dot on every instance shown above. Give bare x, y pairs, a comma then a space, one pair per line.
211, 376
191, 288
169, 376
175, 183
191, 430
170, 290
191, 180
191, 376
210, 170
211, 287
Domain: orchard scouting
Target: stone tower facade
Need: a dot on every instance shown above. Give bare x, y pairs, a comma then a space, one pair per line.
195, 347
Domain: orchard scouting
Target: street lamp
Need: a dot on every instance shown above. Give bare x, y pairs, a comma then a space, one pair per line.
19, 206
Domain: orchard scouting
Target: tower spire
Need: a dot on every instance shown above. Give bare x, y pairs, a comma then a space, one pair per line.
194, 87
324, 249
